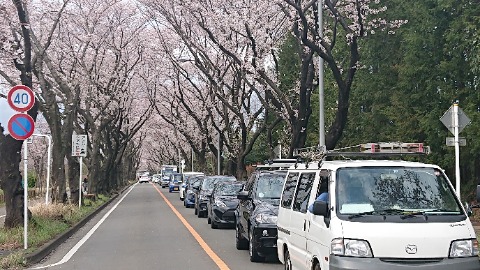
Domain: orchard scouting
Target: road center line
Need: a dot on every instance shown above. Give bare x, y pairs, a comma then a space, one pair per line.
72, 251
216, 259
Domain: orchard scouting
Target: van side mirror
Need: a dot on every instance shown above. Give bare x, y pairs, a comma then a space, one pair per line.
320, 208
468, 209
243, 195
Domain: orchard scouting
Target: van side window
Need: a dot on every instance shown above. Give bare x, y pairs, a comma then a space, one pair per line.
289, 189
302, 195
323, 183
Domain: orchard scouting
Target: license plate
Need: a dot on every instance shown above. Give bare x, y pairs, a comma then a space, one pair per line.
175, 188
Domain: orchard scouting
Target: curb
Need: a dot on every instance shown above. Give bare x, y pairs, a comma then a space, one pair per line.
45, 249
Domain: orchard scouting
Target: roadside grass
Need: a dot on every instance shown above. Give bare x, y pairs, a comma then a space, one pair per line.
47, 222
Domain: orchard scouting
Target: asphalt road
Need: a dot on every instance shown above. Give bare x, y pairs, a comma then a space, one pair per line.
149, 228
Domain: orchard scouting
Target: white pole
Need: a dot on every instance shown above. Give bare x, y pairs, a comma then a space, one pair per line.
457, 148
49, 157
25, 195
321, 105
280, 151
218, 154
192, 159
80, 185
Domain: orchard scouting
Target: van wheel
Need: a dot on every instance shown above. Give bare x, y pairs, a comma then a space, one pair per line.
317, 266
240, 242
254, 257
288, 261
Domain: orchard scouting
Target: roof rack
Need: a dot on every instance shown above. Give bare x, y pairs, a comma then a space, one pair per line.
381, 149
276, 164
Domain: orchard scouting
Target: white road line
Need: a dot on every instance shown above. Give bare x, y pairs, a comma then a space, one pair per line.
72, 251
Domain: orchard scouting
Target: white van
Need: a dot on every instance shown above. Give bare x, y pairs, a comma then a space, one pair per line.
389, 215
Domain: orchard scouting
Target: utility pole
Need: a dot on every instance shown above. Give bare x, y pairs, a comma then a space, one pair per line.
321, 105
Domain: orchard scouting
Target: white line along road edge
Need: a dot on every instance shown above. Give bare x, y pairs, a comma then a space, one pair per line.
72, 251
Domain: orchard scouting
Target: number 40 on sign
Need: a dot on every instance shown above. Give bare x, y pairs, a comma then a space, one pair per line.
21, 98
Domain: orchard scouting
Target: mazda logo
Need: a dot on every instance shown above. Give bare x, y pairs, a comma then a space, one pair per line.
411, 249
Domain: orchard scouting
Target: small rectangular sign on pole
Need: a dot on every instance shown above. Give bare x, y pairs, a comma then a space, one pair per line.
79, 145
450, 141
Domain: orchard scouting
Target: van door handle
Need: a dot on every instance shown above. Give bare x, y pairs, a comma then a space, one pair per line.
304, 225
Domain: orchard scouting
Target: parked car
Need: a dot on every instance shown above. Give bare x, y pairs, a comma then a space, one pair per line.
175, 182
193, 184
185, 179
222, 204
379, 214
256, 214
144, 179
205, 189
165, 181
156, 178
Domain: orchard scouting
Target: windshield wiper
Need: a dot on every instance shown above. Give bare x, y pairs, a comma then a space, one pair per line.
361, 214
414, 214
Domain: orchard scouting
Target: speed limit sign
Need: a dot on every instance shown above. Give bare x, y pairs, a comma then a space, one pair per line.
21, 98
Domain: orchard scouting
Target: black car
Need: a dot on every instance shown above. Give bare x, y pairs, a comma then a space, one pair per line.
222, 203
205, 189
192, 185
256, 214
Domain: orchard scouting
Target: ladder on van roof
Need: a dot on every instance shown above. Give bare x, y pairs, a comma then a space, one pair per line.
381, 149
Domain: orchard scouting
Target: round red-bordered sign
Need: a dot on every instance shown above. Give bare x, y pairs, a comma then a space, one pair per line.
21, 126
21, 98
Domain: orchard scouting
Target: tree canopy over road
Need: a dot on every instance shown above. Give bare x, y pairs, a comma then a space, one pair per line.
152, 81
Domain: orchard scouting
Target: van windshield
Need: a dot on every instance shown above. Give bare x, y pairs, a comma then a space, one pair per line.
394, 190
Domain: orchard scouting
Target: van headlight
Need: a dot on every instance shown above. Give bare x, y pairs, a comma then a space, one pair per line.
464, 248
351, 247
266, 218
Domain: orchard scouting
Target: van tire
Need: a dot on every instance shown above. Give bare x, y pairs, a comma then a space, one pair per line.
240, 242
317, 266
287, 260
252, 250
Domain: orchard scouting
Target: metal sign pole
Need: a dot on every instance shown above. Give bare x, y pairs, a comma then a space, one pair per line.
80, 185
457, 148
25, 196
49, 156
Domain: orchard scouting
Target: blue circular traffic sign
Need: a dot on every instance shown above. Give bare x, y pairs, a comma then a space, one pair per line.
21, 98
21, 126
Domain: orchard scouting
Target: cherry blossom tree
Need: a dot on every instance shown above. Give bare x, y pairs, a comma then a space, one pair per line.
16, 65
347, 22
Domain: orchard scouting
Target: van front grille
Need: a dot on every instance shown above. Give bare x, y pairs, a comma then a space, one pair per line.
416, 261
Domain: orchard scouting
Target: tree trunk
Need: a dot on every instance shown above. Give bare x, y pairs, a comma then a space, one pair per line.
73, 179
12, 180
